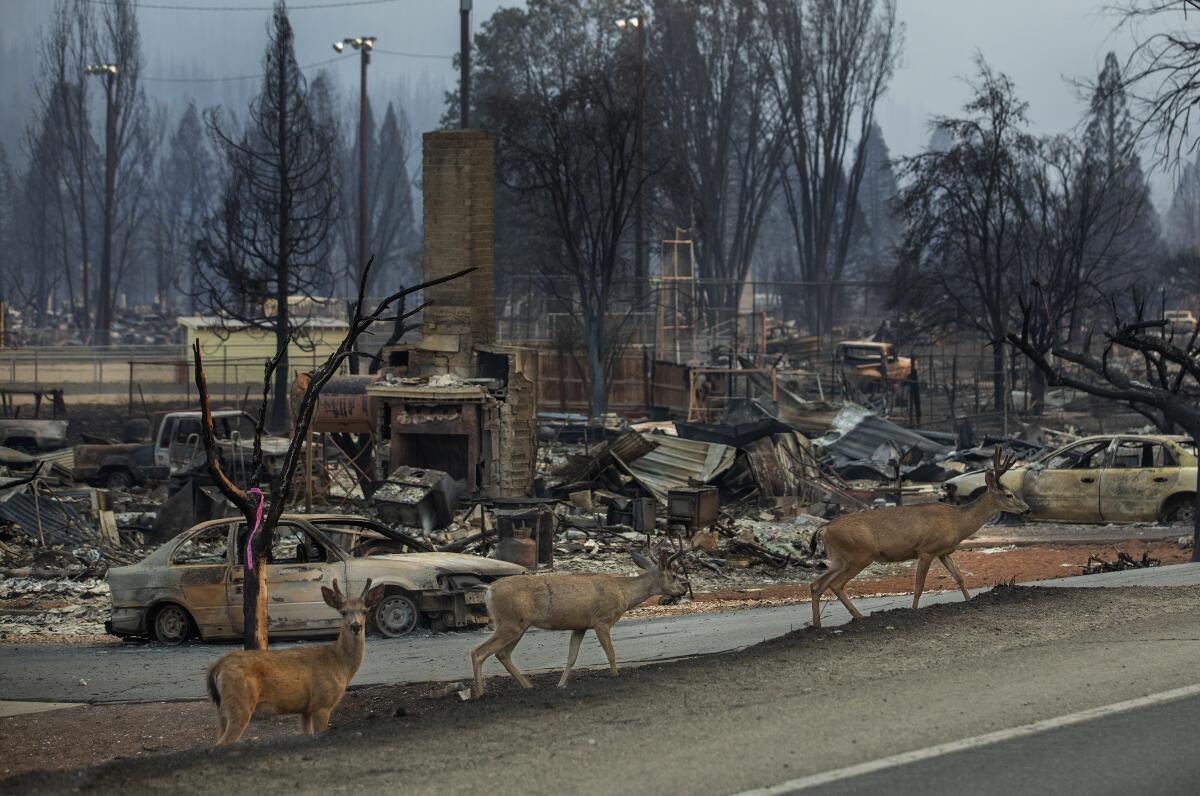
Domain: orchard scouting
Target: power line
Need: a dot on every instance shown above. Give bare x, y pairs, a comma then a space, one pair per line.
420, 55
306, 7
233, 78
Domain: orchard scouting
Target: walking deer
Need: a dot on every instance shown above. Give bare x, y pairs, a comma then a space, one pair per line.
902, 533
569, 602
309, 681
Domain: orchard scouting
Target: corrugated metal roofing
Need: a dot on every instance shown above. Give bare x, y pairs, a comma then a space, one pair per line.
857, 433
675, 461
60, 521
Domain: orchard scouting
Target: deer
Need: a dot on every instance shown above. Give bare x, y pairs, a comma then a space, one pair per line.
903, 533
577, 603
308, 681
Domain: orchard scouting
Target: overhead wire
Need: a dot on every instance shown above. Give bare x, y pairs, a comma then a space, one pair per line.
290, 8
232, 78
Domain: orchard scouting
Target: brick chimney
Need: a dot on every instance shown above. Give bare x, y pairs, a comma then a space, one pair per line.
458, 174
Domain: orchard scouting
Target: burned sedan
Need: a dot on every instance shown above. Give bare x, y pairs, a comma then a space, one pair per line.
1110, 478
192, 585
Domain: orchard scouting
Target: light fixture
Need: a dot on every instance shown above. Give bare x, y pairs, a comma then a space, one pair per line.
100, 69
621, 23
358, 43
630, 22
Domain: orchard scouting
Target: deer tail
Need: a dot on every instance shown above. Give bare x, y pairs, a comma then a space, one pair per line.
211, 682
812, 542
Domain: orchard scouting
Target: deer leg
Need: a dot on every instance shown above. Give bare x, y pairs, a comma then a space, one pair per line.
952, 568
576, 640
235, 724
839, 585
922, 570
498, 640
818, 587
606, 642
504, 655
320, 720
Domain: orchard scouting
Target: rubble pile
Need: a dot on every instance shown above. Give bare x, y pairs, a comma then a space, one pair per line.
34, 606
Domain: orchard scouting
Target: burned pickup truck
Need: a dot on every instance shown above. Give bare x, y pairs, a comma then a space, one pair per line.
192, 585
177, 448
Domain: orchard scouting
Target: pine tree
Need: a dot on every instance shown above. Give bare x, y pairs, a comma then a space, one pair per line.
269, 236
185, 182
1110, 146
876, 199
1183, 219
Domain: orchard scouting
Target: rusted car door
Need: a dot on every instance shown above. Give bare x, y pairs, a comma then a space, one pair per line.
1066, 486
200, 563
1139, 477
298, 566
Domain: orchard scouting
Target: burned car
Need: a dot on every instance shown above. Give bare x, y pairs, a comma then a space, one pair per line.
1110, 478
192, 585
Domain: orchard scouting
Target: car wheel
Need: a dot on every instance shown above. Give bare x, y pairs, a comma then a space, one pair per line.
118, 479
172, 625
396, 616
1180, 510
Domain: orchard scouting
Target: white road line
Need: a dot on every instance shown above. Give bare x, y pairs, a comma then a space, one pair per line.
838, 774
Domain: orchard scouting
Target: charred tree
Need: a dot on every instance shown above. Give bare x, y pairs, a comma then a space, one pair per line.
834, 62
1165, 389
269, 236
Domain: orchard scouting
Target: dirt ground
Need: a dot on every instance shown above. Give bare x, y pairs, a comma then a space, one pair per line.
424, 733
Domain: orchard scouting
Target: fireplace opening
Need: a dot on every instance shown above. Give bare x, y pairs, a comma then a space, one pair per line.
446, 452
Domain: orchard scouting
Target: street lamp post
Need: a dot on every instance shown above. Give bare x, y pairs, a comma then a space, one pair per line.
638, 24
104, 305
364, 45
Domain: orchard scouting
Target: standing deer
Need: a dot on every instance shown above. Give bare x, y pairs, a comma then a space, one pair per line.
902, 533
569, 602
309, 681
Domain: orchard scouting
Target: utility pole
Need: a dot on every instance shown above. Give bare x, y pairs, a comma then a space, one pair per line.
464, 63
364, 45
104, 302
640, 275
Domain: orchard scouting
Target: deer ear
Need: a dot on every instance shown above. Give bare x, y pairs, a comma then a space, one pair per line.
641, 560
374, 596
332, 598
990, 480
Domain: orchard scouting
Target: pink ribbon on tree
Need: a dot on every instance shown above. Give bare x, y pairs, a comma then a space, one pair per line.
254, 531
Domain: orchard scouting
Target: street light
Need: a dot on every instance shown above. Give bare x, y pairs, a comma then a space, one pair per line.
364, 45
103, 308
637, 23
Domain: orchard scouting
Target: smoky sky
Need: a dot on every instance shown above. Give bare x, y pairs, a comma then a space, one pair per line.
1043, 45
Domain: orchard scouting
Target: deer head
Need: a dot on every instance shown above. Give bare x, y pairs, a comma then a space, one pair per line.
353, 611
665, 577
1007, 500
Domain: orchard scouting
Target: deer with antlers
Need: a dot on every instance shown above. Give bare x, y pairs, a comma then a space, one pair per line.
569, 602
904, 533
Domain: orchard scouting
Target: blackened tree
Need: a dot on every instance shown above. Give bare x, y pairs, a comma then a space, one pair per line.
834, 63
720, 118
965, 221
271, 230
555, 82
181, 202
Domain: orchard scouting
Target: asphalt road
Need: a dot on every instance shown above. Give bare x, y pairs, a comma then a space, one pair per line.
146, 672
137, 672
1142, 750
